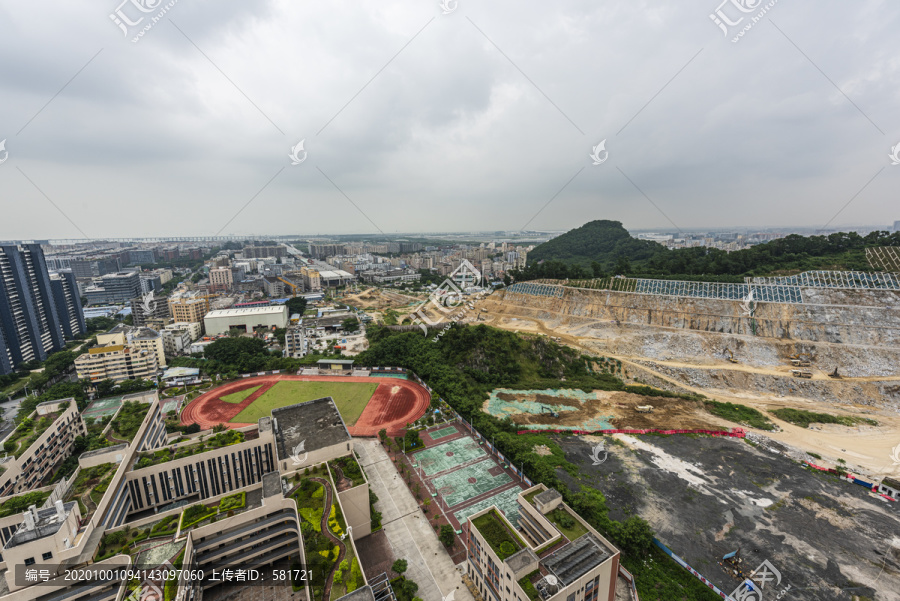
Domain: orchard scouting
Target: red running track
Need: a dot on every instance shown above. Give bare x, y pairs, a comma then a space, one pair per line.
395, 403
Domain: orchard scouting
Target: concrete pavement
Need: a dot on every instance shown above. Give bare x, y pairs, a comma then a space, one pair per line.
411, 536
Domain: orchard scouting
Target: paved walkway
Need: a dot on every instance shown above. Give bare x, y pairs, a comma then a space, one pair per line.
409, 533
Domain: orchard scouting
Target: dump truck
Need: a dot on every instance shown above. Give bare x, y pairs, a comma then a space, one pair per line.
644, 409
801, 373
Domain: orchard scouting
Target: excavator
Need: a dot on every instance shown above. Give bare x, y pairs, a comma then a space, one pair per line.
730, 356
835, 375
550, 411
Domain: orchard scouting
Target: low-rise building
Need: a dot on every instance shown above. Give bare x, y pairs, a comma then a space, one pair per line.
246, 319
116, 362
295, 345
136, 338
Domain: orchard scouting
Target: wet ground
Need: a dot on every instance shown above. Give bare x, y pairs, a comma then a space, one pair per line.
705, 497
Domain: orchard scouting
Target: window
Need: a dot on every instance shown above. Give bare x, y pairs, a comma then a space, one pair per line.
571, 597
47, 555
29, 561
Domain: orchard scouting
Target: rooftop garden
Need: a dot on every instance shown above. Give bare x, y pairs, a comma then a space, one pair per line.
26, 433
502, 540
349, 467
321, 552
526, 582
566, 522
89, 487
128, 421
22, 502
529, 498
217, 441
120, 541
195, 515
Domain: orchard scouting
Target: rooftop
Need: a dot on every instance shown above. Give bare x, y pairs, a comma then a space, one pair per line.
892, 482
361, 594
47, 524
240, 311
314, 425
521, 560
104, 450
571, 562
547, 496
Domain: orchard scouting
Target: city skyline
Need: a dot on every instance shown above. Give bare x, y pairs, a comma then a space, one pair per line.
400, 118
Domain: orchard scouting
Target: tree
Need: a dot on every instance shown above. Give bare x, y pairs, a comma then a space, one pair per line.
399, 566
296, 305
447, 535
634, 536
382, 434
351, 324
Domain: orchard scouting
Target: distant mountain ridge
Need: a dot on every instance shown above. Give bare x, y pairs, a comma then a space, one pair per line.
603, 247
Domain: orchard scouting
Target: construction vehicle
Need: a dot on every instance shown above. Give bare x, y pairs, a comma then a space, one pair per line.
801, 373
801, 360
835, 375
730, 356
644, 409
550, 411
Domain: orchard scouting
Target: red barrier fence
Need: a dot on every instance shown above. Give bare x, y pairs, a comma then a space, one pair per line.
734, 433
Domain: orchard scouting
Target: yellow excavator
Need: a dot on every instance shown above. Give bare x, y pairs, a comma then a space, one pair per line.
730, 356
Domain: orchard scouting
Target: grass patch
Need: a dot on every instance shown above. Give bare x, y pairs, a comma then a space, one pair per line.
165, 526
350, 397
566, 523
128, 421
739, 414
195, 514
26, 434
240, 396
22, 502
803, 418
498, 536
232, 502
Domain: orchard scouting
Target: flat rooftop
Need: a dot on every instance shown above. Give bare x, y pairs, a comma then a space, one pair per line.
47, 524
244, 311
572, 561
315, 424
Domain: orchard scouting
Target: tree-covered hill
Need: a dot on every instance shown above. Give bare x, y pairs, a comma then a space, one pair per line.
602, 248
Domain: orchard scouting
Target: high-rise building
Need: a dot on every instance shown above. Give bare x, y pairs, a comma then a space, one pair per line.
30, 326
897, 226
187, 306
68, 303
143, 310
220, 279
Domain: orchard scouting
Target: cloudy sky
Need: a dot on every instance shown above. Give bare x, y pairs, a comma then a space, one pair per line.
412, 120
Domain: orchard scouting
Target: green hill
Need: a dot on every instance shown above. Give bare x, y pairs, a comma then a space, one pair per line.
603, 248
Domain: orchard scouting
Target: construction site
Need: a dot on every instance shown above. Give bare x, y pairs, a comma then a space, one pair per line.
823, 342
812, 346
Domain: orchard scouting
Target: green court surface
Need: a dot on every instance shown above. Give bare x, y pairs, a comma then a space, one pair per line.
350, 397
462, 485
239, 396
103, 407
448, 455
505, 501
169, 406
448, 431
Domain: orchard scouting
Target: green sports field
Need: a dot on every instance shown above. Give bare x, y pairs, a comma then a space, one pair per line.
350, 397
238, 397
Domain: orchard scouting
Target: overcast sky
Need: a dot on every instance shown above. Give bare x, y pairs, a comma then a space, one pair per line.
418, 121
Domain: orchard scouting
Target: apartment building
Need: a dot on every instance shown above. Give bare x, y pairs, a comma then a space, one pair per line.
38, 444
68, 304
136, 338
220, 279
295, 344
117, 362
30, 323
553, 555
149, 312
188, 306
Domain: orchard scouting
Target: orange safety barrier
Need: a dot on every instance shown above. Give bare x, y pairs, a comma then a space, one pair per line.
734, 433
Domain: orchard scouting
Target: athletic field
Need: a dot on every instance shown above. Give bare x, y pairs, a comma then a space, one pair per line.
367, 404
350, 397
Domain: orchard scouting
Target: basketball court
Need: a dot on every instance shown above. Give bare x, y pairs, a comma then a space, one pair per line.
462, 477
103, 408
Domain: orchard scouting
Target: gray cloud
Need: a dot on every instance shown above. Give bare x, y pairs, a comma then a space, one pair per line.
453, 134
